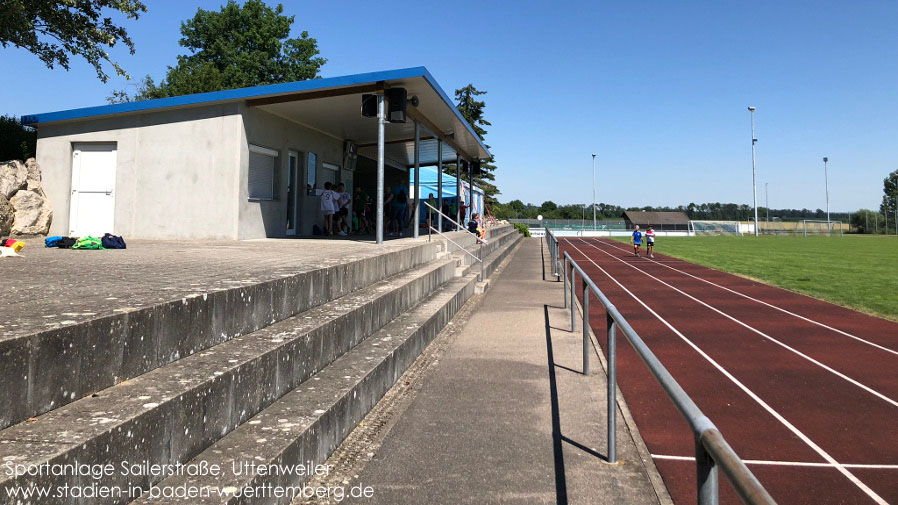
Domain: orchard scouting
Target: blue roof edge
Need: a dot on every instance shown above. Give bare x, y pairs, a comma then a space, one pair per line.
248, 93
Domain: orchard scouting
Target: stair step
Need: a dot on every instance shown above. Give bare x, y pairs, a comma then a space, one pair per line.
45, 370
172, 413
308, 423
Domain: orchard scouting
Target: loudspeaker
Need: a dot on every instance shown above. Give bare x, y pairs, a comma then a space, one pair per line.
369, 105
396, 98
475, 168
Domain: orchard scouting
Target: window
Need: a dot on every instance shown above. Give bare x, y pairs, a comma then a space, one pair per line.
312, 173
262, 173
329, 173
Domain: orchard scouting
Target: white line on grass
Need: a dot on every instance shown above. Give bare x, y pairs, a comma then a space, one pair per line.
762, 302
819, 450
785, 463
759, 332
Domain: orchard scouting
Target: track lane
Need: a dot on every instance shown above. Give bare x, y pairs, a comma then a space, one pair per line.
869, 365
732, 426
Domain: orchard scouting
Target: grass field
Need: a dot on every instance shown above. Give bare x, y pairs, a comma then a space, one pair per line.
855, 271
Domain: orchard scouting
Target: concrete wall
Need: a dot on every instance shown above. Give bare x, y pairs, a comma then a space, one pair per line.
176, 171
259, 219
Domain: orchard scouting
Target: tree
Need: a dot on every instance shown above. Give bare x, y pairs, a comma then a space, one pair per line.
237, 47
54, 30
17, 142
890, 194
472, 110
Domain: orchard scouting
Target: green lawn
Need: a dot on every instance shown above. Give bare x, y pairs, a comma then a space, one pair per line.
855, 271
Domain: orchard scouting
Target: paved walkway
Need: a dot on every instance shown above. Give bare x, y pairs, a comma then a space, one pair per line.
504, 415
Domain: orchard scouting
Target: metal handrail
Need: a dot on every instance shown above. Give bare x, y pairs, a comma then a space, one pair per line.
469, 253
711, 449
460, 227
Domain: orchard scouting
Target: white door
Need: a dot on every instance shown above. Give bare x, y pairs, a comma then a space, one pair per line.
93, 190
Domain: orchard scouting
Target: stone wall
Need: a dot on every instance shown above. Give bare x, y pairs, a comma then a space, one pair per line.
24, 207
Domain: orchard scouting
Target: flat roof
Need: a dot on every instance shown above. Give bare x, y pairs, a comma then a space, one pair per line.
330, 105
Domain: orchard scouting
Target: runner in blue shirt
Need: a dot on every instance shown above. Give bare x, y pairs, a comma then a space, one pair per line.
636, 240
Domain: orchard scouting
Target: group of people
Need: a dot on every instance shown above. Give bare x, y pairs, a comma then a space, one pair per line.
636, 240
335, 201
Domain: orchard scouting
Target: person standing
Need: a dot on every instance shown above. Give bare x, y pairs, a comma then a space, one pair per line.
636, 240
343, 211
650, 242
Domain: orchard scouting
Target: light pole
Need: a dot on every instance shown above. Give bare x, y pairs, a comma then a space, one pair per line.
767, 202
754, 182
826, 181
593, 192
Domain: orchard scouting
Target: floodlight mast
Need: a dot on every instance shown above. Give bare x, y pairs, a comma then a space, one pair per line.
826, 181
754, 177
593, 192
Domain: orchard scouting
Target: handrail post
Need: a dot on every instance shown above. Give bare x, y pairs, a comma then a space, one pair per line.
706, 473
482, 276
573, 316
585, 329
565, 282
612, 388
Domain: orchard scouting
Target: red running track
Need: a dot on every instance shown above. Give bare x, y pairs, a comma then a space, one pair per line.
805, 391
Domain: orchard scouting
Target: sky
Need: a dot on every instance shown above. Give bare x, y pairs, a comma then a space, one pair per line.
658, 90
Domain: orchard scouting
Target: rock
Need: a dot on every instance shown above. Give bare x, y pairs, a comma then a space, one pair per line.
7, 214
33, 176
13, 176
33, 213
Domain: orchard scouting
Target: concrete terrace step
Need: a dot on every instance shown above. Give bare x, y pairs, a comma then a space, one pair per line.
308, 423
174, 412
44, 369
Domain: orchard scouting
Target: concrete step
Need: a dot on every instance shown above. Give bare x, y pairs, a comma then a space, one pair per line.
172, 413
307, 424
494, 252
45, 370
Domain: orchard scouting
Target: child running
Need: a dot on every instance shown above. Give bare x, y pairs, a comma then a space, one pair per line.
650, 242
636, 240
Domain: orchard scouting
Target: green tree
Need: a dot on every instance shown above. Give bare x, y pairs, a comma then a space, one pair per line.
17, 142
890, 194
236, 47
472, 110
55, 30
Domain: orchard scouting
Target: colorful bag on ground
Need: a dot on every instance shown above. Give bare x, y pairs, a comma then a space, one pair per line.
111, 241
67, 242
16, 245
88, 243
52, 241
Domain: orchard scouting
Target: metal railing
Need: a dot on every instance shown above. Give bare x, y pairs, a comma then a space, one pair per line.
479, 241
711, 450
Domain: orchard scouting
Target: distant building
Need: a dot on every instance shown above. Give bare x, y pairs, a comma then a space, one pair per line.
658, 220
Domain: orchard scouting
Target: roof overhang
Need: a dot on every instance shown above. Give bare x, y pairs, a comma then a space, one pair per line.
333, 106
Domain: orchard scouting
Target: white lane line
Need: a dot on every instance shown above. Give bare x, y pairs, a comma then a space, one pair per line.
762, 302
819, 450
833, 371
785, 463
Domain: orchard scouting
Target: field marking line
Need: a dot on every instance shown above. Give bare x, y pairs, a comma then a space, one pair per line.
759, 332
785, 463
762, 302
779, 417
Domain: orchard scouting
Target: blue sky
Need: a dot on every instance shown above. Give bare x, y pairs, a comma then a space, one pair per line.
658, 90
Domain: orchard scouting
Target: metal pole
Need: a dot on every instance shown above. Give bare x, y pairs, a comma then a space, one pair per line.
585, 329
612, 389
593, 192
482, 276
753, 169
573, 283
767, 202
826, 180
706, 473
440, 184
417, 179
380, 169
458, 189
565, 282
